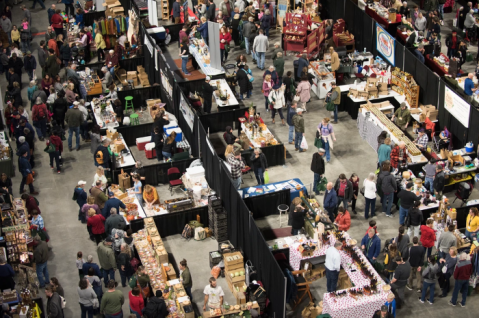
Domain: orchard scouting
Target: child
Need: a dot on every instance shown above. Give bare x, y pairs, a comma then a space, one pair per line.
25, 36
158, 139
79, 262
372, 225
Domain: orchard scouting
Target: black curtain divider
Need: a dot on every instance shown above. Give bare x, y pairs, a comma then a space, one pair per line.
473, 132
367, 31
267, 204
126, 4
218, 121
432, 92
140, 95
168, 99
274, 155
126, 64
351, 17
410, 63
189, 133
91, 16
210, 161
173, 223
421, 78
157, 173
459, 132
130, 133
399, 53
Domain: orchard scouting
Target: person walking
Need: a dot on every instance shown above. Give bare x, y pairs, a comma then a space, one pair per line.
58, 144
248, 28
430, 280
318, 169
237, 165
330, 200
462, 273
408, 198
384, 151
260, 165
106, 257
260, 47
124, 259
298, 122
354, 179
449, 262
303, 90
26, 170
416, 260
388, 185
112, 301
333, 266
40, 117
186, 278
87, 297
74, 118
428, 236
326, 133
40, 257
344, 189
52, 68
370, 196
267, 87
414, 220
278, 64
399, 281
335, 99
289, 119
30, 64
54, 303
371, 246
277, 102
430, 170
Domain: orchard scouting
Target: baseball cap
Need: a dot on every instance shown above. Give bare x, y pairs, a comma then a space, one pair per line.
29, 52
76, 103
110, 193
81, 182
409, 185
109, 239
384, 308
321, 150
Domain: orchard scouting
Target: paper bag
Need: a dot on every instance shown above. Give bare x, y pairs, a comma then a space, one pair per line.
124, 181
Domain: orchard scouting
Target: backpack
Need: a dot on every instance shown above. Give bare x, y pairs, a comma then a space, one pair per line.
99, 157
41, 113
431, 275
187, 232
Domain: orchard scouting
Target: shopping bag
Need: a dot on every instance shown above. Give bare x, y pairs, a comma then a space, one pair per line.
330, 107
296, 98
304, 143
318, 142
454, 22
124, 180
266, 177
243, 45
227, 48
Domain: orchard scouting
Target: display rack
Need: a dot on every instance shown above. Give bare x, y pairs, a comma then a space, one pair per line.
295, 32
312, 47
93, 85
403, 83
165, 9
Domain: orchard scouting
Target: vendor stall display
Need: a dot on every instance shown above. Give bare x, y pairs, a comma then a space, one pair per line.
295, 32
6, 163
322, 79
404, 84
383, 16
440, 64
201, 53
217, 217
223, 94
257, 132
295, 186
341, 36
118, 148
93, 85
133, 209
17, 238
103, 111
373, 88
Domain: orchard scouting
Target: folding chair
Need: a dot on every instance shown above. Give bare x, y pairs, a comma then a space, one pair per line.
303, 288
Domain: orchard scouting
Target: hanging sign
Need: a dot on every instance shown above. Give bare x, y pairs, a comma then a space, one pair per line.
385, 44
187, 112
457, 106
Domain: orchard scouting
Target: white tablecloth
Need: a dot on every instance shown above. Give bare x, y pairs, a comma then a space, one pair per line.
99, 120
141, 212
206, 68
128, 159
249, 134
232, 101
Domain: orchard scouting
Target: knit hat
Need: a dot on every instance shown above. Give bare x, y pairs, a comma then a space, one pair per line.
21, 139
299, 110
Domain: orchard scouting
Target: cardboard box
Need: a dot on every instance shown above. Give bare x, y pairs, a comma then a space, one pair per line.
235, 279
171, 273
362, 94
452, 213
306, 253
233, 258
240, 299
111, 135
241, 288
353, 92
131, 75
432, 114
140, 68
415, 111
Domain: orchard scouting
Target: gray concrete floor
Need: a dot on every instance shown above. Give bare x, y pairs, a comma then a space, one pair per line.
68, 236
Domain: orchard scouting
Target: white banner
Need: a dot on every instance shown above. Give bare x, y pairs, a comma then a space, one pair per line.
166, 84
187, 112
458, 107
148, 44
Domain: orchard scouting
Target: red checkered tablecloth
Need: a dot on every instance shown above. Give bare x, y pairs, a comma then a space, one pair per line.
345, 307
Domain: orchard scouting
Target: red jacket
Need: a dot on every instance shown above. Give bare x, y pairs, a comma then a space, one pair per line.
57, 21
57, 142
395, 156
136, 302
428, 236
35, 111
31, 205
226, 37
97, 223
343, 221
463, 270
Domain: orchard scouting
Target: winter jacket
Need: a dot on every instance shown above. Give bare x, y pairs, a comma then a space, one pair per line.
348, 192
57, 142
6, 25
384, 153
266, 22
334, 61
421, 24
407, 199
463, 270
65, 52
227, 37
80, 193
203, 29
40, 253
330, 199
100, 196
317, 165
248, 28
112, 203
298, 219
262, 160
106, 256
291, 113
301, 64
74, 117
57, 21
470, 21
97, 224
51, 66
267, 86
54, 306
430, 273
261, 44
114, 221
157, 306
39, 112
439, 182
428, 236
106, 158
415, 217
304, 91
395, 156
374, 248
24, 166
29, 63
243, 81
277, 97
416, 255
224, 8
343, 221
279, 66
446, 241
211, 12
298, 122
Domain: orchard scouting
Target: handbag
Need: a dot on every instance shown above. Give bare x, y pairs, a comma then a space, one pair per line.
96, 303
330, 107
145, 291
50, 148
29, 179
362, 190
132, 282
318, 142
296, 98
227, 48
64, 302
250, 78
242, 45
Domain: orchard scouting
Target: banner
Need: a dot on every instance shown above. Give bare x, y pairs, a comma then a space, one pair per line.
187, 112
166, 84
457, 106
385, 44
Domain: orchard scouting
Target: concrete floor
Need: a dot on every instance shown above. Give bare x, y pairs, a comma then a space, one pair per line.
68, 236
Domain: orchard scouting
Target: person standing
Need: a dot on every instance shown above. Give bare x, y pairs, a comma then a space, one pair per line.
58, 144
96, 222
52, 68
40, 256
335, 62
430, 280
211, 12
54, 303
354, 179
408, 198
124, 259
416, 260
74, 118
6, 25
415, 219
87, 296
399, 281
260, 47
447, 239
428, 236
213, 295
185, 55
106, 257
289, 119
156, 307
207, 95
136, 302
371, 246
384, 151
30, 65
370, 196
318, 169
430, 170
297, 221
402, 115
112, 202
6, 275
326, 133
344, 189
248, 28
333, 266
298, 122
439, 182
330, 200
472, 223
112, 301
276, 99
237, 165
186, 278
40, 117
343, 220
462, 273
26, 170
449, 262
303, 90
177, 12
260, 165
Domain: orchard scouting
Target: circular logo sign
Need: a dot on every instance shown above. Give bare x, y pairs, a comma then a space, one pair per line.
385, 44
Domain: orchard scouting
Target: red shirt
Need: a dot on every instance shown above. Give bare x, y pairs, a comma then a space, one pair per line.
97, 223
428, 236
226, 37
343, 221
57, 21
57, 142
136, 303
31, 205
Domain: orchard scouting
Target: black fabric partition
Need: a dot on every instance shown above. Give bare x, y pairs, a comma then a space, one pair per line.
432, 91
140, 95
410, 63
399, 52
188, 133
473, 132
168, 99
459, 132
173, 223
267, 204
126, 4
218, 121
210, 160
422, 72
91, 16
130, 133
274, 155
126, 64
367, 32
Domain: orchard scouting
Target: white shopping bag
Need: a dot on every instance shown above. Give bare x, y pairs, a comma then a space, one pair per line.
304, 143
454, 22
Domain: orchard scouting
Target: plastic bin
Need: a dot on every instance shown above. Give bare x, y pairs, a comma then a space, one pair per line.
172, 124
150, 151
142, 141
179, 133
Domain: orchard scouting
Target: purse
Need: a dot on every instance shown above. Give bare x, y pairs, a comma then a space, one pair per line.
362, 190
145, 291
50, 148
296, 98
29, 179
227, 48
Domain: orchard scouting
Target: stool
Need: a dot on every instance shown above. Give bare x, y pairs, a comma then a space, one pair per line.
282, 208
129, 103
134, 120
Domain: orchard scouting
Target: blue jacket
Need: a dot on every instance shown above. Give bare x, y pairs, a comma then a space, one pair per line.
81, 196
301, 63
203, 30
176, 9
51, 12
29, 63
24, 147
375, 247
330, 199
393, 307
24, 166
19, 129
468, 86
266, 22
96, 268
67, 1
291, 113
112, 203
79, 20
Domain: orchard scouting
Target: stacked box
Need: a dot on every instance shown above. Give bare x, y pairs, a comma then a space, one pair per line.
217, 219
215, 258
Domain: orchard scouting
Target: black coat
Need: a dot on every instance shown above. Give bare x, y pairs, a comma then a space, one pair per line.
16, 93
229, 138
298, 220
262, 160
12, 79
160, 123
301, 63
207, 92
317, 165
243, 81
439, 182
17, 65
211, 12
60, 107
169, 148
65, 52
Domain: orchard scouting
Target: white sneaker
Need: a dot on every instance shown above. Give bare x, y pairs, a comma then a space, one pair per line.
389, 216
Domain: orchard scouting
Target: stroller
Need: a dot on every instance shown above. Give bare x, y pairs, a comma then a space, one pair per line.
440, 143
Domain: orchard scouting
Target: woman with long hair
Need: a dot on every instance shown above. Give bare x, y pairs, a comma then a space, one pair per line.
390, 260
225, 39
47, 81
136, 302
241, 60
87, 296
124, 261
56, 284
169, 147
472, 223
267, 87
355, 181
402, 241
150, 196
184, 55
100, 175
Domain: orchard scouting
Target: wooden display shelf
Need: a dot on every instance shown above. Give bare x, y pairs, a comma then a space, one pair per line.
408, 87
